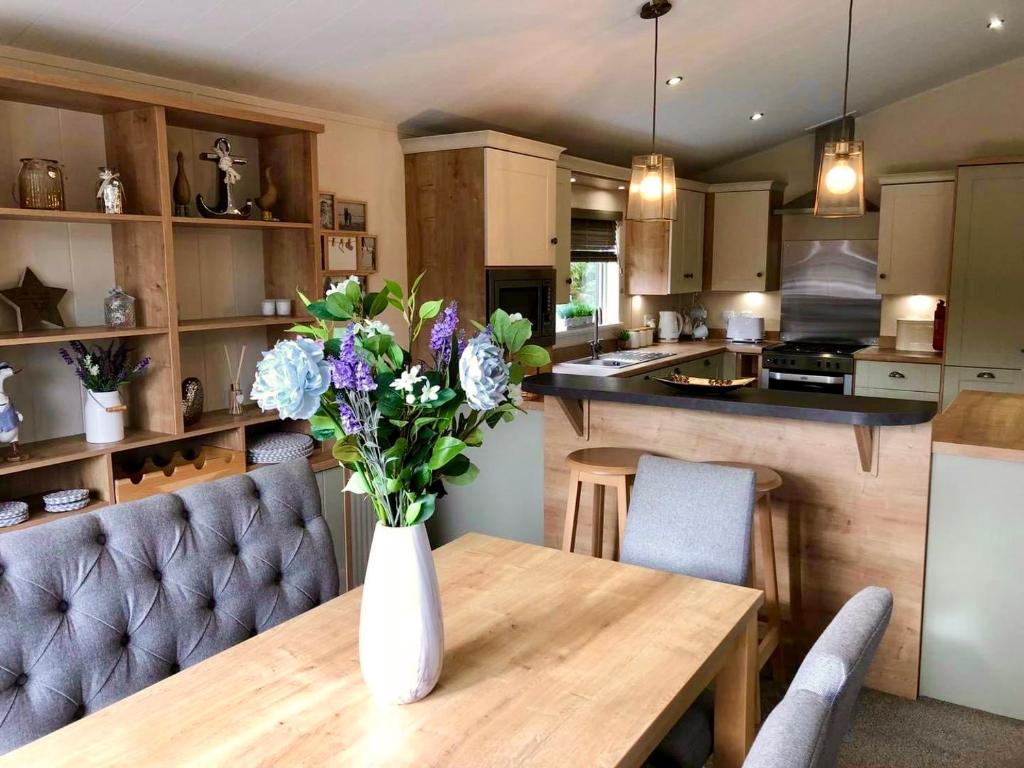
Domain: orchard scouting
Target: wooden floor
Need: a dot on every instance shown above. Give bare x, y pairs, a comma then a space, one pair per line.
837, 528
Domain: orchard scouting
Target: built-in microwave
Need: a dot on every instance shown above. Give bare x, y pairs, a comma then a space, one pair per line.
528, 291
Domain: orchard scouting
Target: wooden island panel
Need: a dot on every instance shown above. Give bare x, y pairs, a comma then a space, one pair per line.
837, 529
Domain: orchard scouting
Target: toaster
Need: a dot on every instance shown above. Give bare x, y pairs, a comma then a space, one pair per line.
745, 328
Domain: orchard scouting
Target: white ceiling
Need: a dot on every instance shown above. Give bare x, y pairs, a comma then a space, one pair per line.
574, 73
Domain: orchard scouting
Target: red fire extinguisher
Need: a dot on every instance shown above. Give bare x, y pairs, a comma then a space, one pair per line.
939, 329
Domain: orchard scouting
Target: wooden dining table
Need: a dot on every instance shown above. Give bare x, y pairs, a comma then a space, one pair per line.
551, 659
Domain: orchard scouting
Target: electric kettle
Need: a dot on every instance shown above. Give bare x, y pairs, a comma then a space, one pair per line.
670, 325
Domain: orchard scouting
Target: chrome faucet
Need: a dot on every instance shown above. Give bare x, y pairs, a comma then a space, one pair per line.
595, 345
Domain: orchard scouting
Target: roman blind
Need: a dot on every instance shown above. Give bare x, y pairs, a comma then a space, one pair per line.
593, 238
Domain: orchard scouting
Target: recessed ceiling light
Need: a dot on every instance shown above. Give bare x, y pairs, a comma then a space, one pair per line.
996, 23
572, 179
757, 116
674, 80
622, 186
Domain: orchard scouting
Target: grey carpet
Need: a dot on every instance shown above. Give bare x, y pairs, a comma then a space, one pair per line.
896, 733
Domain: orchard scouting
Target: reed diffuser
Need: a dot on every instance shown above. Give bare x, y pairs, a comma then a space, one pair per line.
235, 394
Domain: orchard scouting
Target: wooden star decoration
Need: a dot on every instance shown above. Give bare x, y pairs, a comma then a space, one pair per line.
35, 303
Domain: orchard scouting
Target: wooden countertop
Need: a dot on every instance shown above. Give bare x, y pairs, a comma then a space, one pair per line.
898, 356
983, 425
680, 352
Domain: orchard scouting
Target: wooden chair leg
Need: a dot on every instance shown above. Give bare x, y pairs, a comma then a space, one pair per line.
622, 501
597, 529
572, 511
771, 583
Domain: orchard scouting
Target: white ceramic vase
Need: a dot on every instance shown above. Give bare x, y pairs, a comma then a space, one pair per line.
104, 417
401, 630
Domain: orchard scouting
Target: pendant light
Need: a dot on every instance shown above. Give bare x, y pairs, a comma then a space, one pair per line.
841, 175
652, 185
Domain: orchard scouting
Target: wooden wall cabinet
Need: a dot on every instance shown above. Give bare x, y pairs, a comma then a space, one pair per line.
519, 210
986, 310
746, 237
915, 233
667, 257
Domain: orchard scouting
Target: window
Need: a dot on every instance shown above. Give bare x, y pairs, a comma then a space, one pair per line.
594, 269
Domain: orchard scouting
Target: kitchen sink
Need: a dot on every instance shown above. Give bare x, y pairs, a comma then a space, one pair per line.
622, 359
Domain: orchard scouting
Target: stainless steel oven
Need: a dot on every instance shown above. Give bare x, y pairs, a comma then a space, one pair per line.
528, 291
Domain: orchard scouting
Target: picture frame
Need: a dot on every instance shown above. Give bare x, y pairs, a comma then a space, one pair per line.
341, 252
367, 253
327, 210
351, 216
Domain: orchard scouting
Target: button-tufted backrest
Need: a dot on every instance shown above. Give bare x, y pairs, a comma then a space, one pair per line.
99, 606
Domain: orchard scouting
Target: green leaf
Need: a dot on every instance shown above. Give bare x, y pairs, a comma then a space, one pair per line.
443, 397
353, 293
478, 326
412, 512
430, 309
421, 476
356, 484
420, 510
378, 304
302, 297
323, 427
456, 466
533, 356
339, 306
517, 335
515, 374
445, 449
416, 283
501, 325
393, 288
475, 438
467, 477
319, 310
345, 453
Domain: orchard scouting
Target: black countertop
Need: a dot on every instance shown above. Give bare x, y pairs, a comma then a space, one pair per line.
805, 406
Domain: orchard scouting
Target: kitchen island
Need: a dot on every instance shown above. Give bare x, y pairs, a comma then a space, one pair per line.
852, 511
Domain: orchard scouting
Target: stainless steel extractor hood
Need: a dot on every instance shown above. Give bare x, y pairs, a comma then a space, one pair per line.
823, 134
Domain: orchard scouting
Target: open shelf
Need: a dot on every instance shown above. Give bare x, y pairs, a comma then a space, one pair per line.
190, 221
60, 450
249, 321
81, 333
220, 421
76, 217
38, 516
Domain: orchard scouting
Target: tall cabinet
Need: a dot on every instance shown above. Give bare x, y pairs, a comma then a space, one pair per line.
985, 332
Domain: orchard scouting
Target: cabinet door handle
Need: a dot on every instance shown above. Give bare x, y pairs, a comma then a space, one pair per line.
554, 241
881, 275
568, 281
986, 375
896, 375
760, 274
689, 275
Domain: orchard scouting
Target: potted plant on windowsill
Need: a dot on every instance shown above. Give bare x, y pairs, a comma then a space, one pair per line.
576, 315
403, 428
103, 372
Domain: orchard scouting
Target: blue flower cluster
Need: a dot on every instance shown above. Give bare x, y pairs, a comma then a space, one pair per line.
441, 334
349, 370
291, 377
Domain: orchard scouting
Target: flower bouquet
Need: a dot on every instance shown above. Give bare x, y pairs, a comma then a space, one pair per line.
402, 429
102, 373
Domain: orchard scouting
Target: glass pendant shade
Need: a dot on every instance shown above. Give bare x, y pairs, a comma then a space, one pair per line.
652, 189
841, 180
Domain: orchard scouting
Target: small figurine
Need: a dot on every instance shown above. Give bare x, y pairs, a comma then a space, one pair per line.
182, 190
10, 419
266, 201
226, 162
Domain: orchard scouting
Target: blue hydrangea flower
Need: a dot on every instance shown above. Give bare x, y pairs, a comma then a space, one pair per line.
483, 373
291, 377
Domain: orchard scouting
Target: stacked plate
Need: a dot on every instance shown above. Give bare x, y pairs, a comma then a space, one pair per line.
66, 501
12, 513
277, 447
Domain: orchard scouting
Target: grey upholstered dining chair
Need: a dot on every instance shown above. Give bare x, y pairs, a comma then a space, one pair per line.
690, 518
99, 606
806, 728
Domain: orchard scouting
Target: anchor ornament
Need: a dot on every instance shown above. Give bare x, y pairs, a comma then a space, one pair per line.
226, 162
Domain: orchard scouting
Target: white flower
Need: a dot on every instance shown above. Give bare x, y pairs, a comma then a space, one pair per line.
515, 316
483, 373
94, 369
340, 287
410, 399
515, 394
429, 393
408, 380
374, 328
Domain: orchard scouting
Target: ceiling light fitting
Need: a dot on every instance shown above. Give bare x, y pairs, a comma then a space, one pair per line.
652, 185
674, 80
841, 176
757, 116
996, 23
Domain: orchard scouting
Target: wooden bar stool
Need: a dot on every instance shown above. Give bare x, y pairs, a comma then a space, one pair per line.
603, 468
770, 644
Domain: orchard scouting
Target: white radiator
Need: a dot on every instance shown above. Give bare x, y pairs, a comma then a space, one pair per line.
361, 521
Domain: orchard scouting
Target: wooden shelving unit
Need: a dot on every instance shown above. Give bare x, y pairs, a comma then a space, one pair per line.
136, 122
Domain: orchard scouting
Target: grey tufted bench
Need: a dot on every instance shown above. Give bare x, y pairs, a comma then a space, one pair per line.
99, 606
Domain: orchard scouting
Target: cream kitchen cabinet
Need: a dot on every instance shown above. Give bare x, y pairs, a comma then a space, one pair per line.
957, 378
899, 381
915, 233
713, 366
667, 257
746, 239
986, 310
563, 230
519, 210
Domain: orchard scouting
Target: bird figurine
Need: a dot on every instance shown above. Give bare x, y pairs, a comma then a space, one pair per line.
182, 190
268, 199
10, 419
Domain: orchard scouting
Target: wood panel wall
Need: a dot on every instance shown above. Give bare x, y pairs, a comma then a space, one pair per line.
837, 529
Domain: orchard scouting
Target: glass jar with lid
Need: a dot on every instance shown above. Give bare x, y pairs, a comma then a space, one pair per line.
119, 309
109, 191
